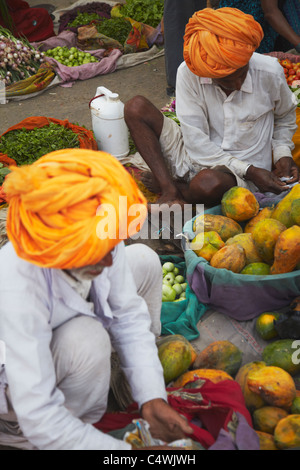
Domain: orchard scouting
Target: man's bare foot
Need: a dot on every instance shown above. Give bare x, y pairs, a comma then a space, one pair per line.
149, 180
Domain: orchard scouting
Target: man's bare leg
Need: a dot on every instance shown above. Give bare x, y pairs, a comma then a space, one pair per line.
207, 187
145, 124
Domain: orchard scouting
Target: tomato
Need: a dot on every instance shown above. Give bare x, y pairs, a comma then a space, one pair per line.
286, 63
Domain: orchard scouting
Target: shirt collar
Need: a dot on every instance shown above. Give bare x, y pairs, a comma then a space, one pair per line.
247, 86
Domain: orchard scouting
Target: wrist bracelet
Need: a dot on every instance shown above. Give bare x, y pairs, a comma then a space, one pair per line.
246, 169
297, 47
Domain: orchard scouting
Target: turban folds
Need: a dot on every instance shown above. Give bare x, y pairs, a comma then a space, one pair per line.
218, 42
65, 209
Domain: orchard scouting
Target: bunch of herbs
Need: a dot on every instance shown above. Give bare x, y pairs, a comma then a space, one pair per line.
25, 146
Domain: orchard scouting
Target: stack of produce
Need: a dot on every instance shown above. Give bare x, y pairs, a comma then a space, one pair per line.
174, 284
83, 15
19, 60
149, 12
268, 386
71, 57
25, 146
268, 243
292, 75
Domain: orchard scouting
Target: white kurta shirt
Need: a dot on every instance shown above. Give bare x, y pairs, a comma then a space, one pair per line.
34, 301
243, 128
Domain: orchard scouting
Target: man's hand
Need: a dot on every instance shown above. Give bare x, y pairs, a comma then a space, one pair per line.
288, 168
266, 181
165, 423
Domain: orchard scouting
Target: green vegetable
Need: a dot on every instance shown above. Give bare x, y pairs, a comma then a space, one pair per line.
72, 57
3, 172
83, 18
25, 146
115, 28
144, 11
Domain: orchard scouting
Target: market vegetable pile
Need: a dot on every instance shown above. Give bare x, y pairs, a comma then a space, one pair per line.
145, 11
25, 146
83, 14
292, 74
72, 57
268, 386
18, 59
248, 240
174, 283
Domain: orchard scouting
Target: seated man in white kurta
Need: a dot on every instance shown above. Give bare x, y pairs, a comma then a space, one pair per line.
67, 296
236, 112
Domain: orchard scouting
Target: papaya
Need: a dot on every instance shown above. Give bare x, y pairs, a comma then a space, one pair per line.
231, 257
266, 418
245, 240
220, 355
287, 432
295, 408
175, 356
253, 400
266, 441
206, 244
287, 251
264, 213
168, 338
265, 235
295, 211
274, 385
187, 379
282, 210
280, 353
224, 226
265, 326
239, 204
256, 269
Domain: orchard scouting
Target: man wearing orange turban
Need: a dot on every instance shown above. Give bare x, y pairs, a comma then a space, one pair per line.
69, 293
236, 112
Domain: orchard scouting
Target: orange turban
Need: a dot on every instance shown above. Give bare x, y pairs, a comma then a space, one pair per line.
65, 209
218, 42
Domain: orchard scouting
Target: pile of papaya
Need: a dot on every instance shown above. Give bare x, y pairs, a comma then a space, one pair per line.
268, 386
247, 239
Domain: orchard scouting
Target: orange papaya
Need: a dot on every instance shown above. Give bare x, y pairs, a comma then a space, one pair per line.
287, 251
231, 257
264, 213
175, 356
265, 326
282, 210
266, 418
287, 432
206, 244
266, 441
274, 385
245, 240
224, 226
265, 234
253, 400
239, 204
220, 355
295, 211
192, 376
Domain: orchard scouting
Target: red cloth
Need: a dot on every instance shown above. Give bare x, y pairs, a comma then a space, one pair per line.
214, 410
34, 23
